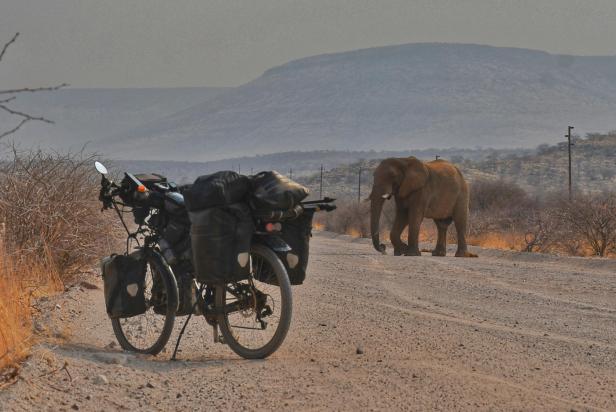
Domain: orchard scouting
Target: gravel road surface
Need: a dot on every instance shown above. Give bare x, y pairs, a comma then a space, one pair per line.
505, 331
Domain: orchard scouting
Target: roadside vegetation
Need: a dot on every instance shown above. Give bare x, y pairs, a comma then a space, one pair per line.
51, 229
505, 216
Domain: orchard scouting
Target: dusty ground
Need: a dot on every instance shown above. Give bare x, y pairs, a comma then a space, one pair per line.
506, 331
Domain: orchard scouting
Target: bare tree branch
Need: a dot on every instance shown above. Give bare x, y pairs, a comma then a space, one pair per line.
6, 46
13, 130
31, 90
25, 117
9, 99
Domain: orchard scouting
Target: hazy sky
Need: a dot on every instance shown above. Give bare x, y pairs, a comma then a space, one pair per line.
143, 43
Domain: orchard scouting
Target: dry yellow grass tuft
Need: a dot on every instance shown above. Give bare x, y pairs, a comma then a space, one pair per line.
353, 232
21, 280
318, 225
498, 240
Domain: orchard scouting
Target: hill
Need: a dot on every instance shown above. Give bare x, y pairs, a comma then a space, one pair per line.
538, 171
390, 98
593, 166
298, 164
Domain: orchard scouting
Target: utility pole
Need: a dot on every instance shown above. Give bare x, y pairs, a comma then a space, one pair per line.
321, 183
569, 144
291, 173
359, 186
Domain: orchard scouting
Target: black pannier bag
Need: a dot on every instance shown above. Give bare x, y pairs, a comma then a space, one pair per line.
124, 284
218, 189
176, 232
271, 190
221, 238
297, 233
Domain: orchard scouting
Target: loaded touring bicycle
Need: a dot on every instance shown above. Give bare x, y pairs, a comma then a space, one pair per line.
227, 247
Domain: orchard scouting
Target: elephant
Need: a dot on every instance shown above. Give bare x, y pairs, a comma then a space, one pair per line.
435, 190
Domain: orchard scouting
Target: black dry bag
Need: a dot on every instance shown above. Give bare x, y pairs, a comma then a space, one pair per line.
218, 189
124, 284
271, 190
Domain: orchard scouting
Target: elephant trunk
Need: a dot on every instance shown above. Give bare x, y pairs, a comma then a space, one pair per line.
376, 206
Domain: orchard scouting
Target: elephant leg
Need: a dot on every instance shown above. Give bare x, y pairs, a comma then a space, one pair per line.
460, 219
398, 226
415, 219
441, 243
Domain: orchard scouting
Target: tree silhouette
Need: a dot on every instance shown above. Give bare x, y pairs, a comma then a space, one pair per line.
10, 95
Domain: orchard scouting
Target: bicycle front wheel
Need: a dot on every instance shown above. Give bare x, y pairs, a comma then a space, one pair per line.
256, 312
149, 332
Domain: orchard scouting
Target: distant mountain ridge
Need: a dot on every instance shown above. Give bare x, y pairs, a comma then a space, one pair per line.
541, 171
297, 164
402, 97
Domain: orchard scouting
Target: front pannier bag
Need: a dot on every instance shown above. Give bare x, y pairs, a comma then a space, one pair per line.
218, 189
124, 284
221, 238
271, 190
297, 233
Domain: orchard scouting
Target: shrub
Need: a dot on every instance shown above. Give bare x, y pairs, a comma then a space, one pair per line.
491, 195
592, 218
49, 206
51, 226
349, 218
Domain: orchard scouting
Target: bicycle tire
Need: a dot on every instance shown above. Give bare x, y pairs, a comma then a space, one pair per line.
284, 284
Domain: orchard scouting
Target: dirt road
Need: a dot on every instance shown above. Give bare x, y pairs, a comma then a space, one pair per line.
506, 331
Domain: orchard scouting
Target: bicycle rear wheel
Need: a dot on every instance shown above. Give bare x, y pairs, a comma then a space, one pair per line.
256, 315
149, 332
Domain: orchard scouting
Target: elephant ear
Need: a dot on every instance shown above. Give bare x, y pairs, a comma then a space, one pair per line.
415, 177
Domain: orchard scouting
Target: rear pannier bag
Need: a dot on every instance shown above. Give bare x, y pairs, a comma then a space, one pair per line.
271, 190
220, 238
297, 233
124, 284
218, 189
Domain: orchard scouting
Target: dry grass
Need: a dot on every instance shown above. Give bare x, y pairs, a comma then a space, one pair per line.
21, 280
50, 229
498, 240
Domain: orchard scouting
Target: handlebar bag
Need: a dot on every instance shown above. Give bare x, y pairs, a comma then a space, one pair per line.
297, 233
218, 189
124, 285
150, 179
220, 239
271, 190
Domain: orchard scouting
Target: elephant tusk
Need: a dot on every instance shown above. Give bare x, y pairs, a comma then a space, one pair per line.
386, 196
